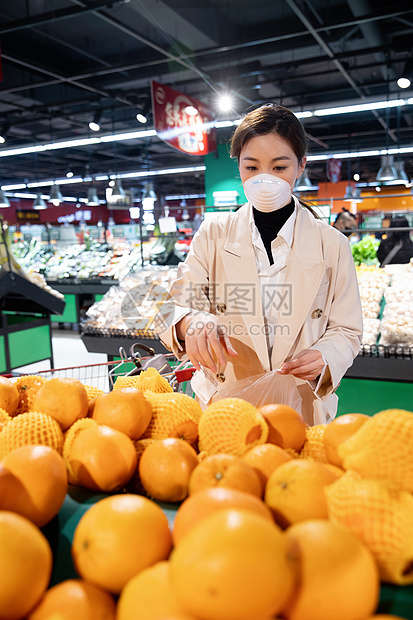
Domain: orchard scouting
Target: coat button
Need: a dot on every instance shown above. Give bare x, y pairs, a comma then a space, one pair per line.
317, 314
221, 308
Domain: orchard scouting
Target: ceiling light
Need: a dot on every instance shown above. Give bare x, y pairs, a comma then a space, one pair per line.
356, 176
304, 184
401, 178
225, 103
387, 170
403, 82
4, 201
3, 132
118, 189
56, 196
95, 125
69, 174
357, 195
92, 198
39, 203
349, 193
149, 197
142, 118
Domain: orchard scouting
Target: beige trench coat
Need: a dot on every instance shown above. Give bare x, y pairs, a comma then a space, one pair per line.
319, 303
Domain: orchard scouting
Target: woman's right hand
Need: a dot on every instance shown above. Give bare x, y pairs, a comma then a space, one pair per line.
204, 334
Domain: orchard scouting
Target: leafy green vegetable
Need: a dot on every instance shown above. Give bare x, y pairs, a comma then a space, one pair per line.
365, 251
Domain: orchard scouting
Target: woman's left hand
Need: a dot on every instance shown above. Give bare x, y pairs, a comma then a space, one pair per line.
307, 365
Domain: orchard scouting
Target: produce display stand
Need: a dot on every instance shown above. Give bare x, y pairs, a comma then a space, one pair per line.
393, 599
25, 331
79, 293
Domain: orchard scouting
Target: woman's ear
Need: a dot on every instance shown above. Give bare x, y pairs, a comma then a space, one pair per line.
301, 167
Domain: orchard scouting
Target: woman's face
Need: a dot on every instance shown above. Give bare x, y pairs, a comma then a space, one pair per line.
270, 154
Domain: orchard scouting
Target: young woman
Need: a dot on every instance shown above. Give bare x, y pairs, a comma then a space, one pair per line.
269, 286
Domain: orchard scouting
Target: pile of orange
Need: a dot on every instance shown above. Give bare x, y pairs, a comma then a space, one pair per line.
272, 512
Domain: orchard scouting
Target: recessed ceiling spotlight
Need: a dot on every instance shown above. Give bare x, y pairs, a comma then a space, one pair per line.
356, 177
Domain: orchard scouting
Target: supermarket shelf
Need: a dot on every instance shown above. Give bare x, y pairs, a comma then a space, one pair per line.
110, 344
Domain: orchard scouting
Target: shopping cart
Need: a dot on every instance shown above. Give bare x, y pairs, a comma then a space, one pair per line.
103, 375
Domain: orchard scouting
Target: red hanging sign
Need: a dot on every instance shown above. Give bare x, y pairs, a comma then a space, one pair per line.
333, 169
182, 121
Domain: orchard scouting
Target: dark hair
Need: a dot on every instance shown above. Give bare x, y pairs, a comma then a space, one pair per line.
345, 214
272, 118
399, 222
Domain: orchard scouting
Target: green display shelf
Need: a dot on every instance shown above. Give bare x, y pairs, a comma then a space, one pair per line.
70, 313
370, 396
30, 345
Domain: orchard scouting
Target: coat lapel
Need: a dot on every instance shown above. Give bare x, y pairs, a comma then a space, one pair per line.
240, 269
303, 277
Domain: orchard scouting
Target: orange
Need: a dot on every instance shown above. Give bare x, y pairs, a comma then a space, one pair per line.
380, 515
313, 447
9, 396
173, 415
206, 502
265, 459
25, 565
118, 537
65, 400
98, 457
337, 575
33, 482
231, 426
5, 418
233, 564
150, 596
27, 386
75, 599
126, 409
92, 392
286, 426
382, 448
295, 491
31, 428
165, 468
147, 380
339, 430
225, 470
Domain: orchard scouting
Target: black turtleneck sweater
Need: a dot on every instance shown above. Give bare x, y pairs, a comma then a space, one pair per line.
270, 224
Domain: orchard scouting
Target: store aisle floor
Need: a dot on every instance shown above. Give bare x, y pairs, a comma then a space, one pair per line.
70, 351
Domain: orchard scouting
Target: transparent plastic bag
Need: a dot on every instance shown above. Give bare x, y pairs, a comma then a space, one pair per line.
265, 389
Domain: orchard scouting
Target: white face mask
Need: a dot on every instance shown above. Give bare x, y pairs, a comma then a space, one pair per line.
267, 192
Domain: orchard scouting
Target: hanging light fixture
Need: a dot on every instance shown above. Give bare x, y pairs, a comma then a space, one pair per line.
387, 170
401, 174
348, 193
149, 197
56, 196
4, 201
39, 203
303, 183
94, 125
92, 197
357, 195
3, 132
117, 190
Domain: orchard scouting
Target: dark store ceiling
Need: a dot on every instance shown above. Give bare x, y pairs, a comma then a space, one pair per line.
64, 60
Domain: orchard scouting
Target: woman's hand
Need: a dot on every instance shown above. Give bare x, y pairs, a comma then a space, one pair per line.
307, 365
204, 334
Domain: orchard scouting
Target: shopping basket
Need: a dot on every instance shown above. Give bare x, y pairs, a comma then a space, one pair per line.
103, 375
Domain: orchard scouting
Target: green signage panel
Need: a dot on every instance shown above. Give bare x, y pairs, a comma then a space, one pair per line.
222, 174
29, 345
